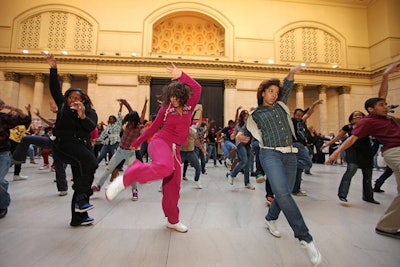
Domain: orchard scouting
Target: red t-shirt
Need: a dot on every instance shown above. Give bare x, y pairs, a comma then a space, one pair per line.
385, 129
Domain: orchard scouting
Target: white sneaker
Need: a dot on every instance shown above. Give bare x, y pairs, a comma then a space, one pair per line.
230, 179
313, 254
115, 188
272, 228
228, 163
250, 186
198, 185
19, 178
179, 227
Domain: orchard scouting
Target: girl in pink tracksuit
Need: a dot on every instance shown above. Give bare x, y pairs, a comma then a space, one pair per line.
171, 130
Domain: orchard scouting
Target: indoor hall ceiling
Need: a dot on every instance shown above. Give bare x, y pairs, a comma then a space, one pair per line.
353, 3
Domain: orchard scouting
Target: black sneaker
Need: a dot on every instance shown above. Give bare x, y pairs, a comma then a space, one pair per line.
394, 235
343, 199
3, 213
378, 190
83, 207
85, 221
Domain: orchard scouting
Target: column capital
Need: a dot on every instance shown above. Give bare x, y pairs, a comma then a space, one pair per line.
144, 80
92, 78
66, 77
300, 87
12, 76
322, 88
230, 83
39, 77
344, 90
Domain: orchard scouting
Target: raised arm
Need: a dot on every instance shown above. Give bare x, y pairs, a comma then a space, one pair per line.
311, 109
143, 114
237, 114
55, 88
383, 89
177, 73
48, 122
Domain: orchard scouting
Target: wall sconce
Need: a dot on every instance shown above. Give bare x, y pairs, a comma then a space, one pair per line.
133, 54
241, 60
117, 54
271, 61
255, 61
25, 51
102, 53
217, 59
64, 52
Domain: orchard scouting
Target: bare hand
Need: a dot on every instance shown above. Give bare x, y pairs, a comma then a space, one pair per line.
391, 68
28, 107
37, 112
51, 60
332, 158
174, 71
298, 68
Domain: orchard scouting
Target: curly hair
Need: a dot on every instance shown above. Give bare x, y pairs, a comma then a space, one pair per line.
177, 89
264, 85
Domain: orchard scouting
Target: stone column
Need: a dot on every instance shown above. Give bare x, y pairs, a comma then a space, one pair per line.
344, 104
144, 91
38, 90
10, 93
300, 95
229, 100
66, 82
92, 86
323, 110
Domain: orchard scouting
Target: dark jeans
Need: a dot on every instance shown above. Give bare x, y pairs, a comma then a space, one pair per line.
191, 157
202, 159
303, 163
386, 174
83, 165
43, 142
212, 152
346, 180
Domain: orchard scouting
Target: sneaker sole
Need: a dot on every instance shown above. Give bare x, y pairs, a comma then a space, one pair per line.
83, 210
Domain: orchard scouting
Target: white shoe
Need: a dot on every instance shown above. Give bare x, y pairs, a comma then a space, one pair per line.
179, 227
250, 186
198, 185
19, 178
115, 188
272, 228
230, 178
313, 254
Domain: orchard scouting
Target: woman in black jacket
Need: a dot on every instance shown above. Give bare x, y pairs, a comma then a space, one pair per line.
75, 120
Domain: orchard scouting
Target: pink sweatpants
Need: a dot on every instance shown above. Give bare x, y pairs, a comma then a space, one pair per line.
165, 165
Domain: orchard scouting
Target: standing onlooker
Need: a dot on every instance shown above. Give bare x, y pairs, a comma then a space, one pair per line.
386, 130
171, 130
272, 126
7, 122
76, 119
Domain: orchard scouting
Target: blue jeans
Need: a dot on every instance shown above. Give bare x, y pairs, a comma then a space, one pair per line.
121, 154
193, 159
5, 161
303, 163
280, 169
107, 149
212, 151
227, 146
243, 152
346, 180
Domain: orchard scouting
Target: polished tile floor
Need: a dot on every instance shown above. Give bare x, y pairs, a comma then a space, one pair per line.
226, 225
